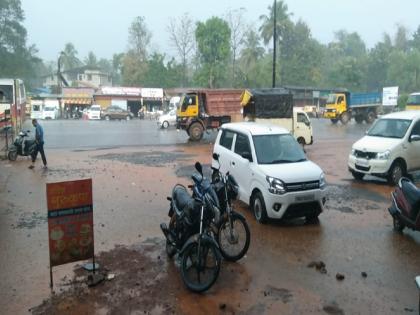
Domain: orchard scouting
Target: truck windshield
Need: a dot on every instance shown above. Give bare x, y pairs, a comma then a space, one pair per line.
278, 149
389, 128
6, 93
331, 99
413, 100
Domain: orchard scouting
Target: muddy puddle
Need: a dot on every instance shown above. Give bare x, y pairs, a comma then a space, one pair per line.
151, 158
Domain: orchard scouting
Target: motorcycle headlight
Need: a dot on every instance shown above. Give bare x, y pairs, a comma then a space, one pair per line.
383, 155
322, 181
276, 186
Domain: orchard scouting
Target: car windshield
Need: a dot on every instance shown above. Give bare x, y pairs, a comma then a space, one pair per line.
48, 109
97, 109
278, 149
389, 128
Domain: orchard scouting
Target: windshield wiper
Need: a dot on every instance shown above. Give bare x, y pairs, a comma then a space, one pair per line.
280, 161
300, 160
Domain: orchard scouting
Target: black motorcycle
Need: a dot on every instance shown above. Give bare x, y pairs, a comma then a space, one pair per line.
232, 232
189, 234
21, 146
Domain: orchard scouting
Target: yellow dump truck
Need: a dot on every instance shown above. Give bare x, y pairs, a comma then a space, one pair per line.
200, 110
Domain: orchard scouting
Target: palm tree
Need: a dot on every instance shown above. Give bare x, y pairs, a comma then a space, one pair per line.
70, 60
282, 22
252, 50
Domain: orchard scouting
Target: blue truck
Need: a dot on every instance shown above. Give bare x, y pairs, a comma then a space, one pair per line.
361, 106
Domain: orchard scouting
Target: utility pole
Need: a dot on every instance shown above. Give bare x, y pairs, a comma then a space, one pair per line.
274, 42
59, 83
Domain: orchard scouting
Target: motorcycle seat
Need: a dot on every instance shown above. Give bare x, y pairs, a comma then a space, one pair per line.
184, 203
412, 194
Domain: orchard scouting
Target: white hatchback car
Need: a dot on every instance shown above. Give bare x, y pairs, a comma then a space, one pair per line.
94, 112
274, 176
167, 120
390, 149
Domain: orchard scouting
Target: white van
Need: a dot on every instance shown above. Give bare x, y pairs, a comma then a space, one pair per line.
274, 176
300, 126
36, 109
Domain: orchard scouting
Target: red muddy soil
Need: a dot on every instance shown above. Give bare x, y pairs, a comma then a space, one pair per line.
354, 235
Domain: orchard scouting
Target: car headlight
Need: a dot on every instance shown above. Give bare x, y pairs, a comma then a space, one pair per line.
383, 155
276, 186
322, 181
353, 152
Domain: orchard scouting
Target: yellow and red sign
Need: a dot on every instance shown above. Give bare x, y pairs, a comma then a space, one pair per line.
70, 221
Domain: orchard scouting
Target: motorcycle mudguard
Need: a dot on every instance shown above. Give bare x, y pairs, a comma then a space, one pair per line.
204, 239
394, 210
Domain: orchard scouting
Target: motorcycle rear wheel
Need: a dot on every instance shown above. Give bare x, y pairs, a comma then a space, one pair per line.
12, 155
200, 266
234, 240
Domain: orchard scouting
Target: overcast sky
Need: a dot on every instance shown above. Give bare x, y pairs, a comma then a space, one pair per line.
102, 26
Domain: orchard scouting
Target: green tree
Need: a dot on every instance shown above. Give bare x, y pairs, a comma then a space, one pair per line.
91, 60
139, 38
282, 22
16, 58
415, 42
251, 61
70, 60
213, 41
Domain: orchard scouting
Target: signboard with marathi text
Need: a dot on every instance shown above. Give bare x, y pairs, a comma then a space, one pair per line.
70, 221
390, 96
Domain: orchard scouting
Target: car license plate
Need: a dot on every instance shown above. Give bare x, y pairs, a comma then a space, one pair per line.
362, 162
308, 197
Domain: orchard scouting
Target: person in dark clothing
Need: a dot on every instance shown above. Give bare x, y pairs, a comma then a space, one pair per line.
39, 140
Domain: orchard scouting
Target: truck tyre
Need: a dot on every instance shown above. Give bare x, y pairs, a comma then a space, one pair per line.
334, 120
344, 118
370, 117
196, 131
358, 119
301, 141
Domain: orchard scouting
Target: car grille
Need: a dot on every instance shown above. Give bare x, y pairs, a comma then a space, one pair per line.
362, 168
302, 186
365, 155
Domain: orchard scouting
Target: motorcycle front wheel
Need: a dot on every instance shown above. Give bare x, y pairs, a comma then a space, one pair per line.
12, 155
233, 237
200, 266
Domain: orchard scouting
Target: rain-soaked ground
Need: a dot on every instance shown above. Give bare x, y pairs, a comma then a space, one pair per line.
290, 268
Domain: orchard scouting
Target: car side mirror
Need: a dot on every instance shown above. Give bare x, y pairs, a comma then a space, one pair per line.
414, 138
199, 168
216, 157
247, 156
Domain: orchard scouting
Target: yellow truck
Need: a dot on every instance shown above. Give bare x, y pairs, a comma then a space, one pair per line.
413, 102
361, 106
201, 110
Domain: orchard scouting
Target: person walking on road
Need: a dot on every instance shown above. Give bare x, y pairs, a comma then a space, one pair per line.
39, 140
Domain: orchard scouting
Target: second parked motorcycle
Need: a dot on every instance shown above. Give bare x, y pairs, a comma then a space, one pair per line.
21, 146
189, 235
405, 208
232, 233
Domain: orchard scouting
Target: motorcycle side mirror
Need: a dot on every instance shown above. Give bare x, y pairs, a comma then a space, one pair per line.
199, 168
216, 157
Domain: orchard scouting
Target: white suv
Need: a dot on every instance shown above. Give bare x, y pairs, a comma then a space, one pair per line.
390, 149
272, 172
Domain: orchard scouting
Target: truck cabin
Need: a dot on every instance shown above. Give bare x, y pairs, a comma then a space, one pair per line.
413, 102
192, 104
337, 99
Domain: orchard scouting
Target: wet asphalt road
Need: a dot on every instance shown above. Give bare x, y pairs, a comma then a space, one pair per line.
131, 180
82, 134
